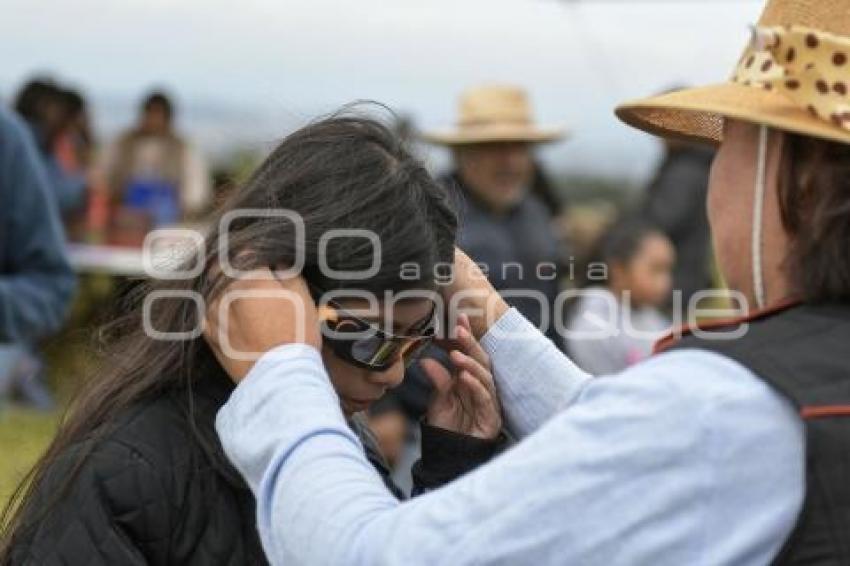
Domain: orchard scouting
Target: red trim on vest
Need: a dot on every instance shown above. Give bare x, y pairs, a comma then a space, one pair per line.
825, 411
676, 335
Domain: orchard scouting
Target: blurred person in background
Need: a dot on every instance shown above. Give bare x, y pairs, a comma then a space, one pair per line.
74, 149
675, 202
542, 187
74, 144
155, 176
504, 224
615, 326
58, 120
36, 280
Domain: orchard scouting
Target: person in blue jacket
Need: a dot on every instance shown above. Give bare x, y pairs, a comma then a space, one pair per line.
36, 279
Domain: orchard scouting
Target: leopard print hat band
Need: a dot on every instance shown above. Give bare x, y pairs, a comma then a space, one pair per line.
809, 66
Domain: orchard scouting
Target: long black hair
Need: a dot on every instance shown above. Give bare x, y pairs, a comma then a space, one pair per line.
342, 172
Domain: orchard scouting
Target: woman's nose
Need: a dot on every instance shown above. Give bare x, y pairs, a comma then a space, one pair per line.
389, 378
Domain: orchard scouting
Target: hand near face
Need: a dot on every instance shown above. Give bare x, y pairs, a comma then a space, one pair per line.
471, 292
465, 401
257, 313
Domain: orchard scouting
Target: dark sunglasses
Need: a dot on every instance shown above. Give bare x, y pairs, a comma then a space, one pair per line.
364, 345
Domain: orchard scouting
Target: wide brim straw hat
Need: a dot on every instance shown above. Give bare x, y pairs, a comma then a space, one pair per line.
494, 114
794, 76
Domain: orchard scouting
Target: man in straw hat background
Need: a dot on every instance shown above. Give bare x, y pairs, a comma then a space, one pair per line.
503, 225
731, 446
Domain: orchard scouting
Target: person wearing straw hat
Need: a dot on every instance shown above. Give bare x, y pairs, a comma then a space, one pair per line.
504, 225
731, 446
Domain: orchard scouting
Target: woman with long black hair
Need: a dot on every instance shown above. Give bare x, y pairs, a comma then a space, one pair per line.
136, 474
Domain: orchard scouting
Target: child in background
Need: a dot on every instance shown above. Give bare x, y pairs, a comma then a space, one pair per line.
616, 326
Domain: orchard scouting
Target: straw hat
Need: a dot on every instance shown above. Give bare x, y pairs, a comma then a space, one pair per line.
794, 76
494, 114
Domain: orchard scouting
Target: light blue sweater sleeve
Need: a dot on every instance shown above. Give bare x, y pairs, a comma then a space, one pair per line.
534, 379
687, 458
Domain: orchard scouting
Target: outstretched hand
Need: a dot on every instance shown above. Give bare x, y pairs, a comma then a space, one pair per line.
465, 400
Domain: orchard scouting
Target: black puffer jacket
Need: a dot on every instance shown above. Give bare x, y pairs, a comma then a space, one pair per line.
153, 491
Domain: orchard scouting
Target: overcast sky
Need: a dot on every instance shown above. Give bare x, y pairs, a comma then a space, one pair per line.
250, 71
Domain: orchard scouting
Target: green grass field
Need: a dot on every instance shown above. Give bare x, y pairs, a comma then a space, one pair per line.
24, 435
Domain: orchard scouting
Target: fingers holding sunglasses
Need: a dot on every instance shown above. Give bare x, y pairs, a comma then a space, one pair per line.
463, 361
469, 346
446, 409
467, 364
467, 343
439, 376
465, 400
482, 405
461, 403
